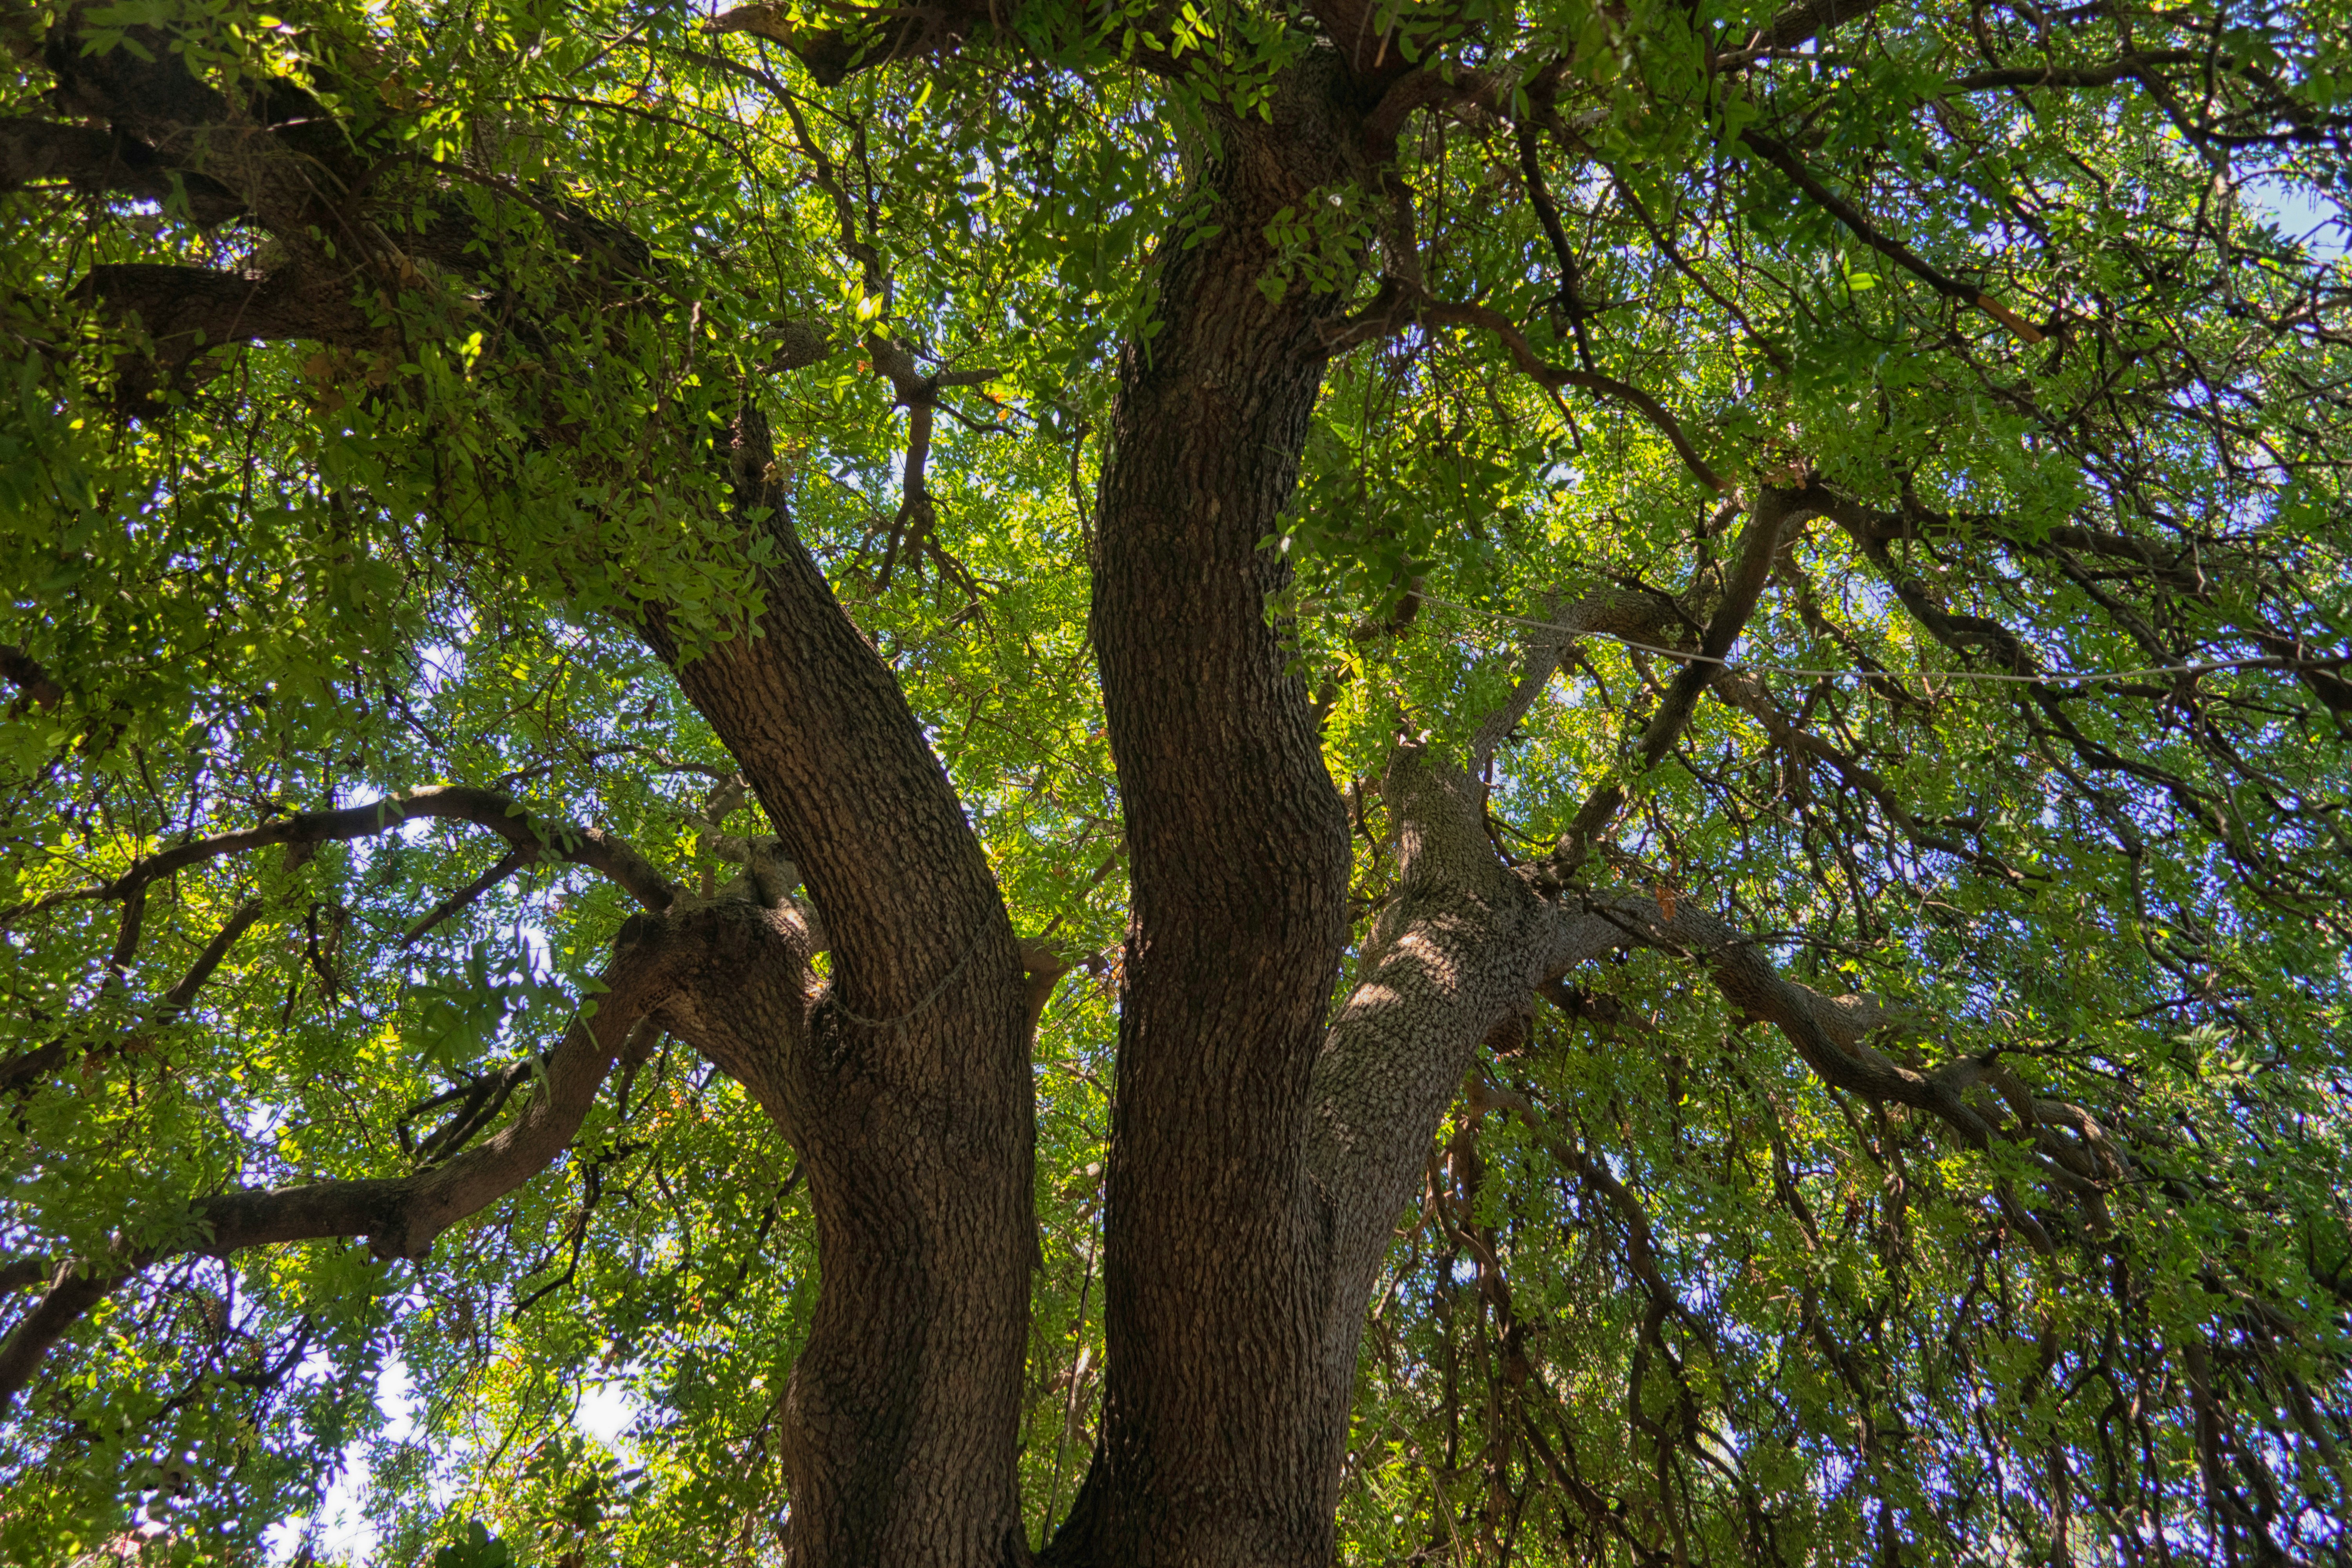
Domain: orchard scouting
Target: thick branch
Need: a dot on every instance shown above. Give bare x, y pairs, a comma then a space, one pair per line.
33, 152
1798, 24
187, 308
1829, 1032
275, 149
1609, 612
1775, 511
894, 33
400, 1215
1363, 32
38, 687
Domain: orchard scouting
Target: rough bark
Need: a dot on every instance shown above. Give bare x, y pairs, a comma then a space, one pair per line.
1463, 946
1464, 943
1215, 1445
906, 1095
35, 151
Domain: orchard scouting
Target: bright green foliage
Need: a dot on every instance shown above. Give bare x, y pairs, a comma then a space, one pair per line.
1778, 1320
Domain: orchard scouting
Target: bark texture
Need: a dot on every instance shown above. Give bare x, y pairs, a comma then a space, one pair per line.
905, 1085
1217, 1241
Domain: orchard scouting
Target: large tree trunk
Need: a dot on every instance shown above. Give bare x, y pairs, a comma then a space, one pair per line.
1216, 1444
905, 1087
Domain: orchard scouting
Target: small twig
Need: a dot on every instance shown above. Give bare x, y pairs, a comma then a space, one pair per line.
512, 861
1787, 161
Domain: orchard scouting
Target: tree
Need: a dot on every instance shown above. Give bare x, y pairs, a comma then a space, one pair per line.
1196, 562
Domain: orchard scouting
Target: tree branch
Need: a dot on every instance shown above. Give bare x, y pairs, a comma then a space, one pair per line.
402, 1215
33, 152
19, 1272
38, 688
1830, 1034
1553, 376
1750, 696
20, 1070
184, 310
1798, 24
2123, 68
1608, 612
1779, 155
890, 33
507, 865
1775, 511
540, 838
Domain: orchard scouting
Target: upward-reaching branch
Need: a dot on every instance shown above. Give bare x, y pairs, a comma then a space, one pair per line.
401, 1215
1774, 510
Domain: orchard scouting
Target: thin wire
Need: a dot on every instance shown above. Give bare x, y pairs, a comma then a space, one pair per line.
933, 994
2082, 677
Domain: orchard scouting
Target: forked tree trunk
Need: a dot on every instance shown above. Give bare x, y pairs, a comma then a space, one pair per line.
1259, 1152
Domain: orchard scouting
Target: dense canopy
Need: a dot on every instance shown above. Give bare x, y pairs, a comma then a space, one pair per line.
1191, 780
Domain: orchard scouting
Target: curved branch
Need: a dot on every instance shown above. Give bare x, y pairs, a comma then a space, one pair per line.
1830, 1033
19, 1070
2123, 68
188, 309
1798, 23
542, 839
400, 1215
893, 33
1552, 376
1608, 612
1749, 695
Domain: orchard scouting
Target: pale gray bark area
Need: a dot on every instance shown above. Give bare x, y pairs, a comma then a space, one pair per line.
1463, 946
1466, 943
1467, 940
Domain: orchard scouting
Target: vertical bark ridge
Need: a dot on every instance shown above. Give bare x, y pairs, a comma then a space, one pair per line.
1211, 1451
905, 1087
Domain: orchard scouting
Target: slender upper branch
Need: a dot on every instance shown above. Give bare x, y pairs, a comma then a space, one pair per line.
540, 838
1782, 158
